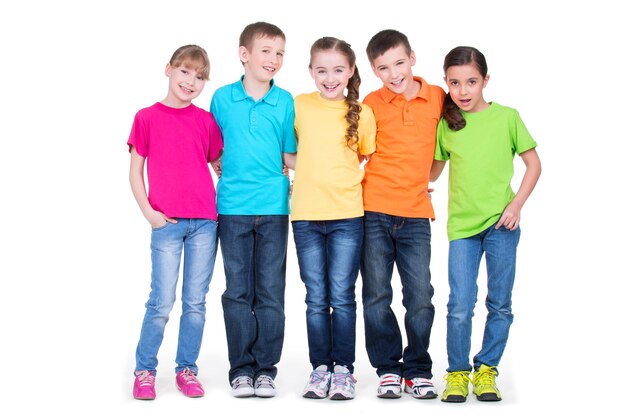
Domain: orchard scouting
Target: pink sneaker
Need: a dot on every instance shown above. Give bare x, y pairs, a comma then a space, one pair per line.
188, 383
144, 385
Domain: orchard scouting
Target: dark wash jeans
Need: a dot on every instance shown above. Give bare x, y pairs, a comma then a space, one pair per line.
406, 242
254, 251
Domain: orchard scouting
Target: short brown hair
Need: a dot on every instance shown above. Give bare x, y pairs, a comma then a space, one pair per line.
259, 30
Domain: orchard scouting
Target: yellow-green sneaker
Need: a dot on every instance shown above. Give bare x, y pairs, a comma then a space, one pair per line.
456, 387
484, 384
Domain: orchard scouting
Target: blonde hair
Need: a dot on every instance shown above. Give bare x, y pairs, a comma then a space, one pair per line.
192, 57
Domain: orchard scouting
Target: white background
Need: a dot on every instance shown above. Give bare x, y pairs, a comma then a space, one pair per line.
75, 256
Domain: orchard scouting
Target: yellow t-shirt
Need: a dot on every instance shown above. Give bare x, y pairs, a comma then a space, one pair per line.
327, 182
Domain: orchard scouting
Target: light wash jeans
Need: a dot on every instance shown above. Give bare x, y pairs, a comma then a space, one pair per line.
198, 239
500, 248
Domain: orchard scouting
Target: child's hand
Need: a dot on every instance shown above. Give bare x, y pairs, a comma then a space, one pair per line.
217, 167
510, 218
428, 193
285, 170
158, 219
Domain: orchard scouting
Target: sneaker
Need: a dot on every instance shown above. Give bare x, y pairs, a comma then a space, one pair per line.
420, 388
264, 387
242, 387
188, 383
456, 387
484, 384
390, 386
341, 384
318, 384
144, 385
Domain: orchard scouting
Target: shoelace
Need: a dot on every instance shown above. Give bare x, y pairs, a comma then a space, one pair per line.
242, 380
190, 377
343, 379
265, 380
485, 377
457, 379
318, 377
145, 378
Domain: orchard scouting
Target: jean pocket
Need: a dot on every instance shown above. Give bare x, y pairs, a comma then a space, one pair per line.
158, 228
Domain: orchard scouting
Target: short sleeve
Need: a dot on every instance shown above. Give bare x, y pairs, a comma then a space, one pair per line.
440, 152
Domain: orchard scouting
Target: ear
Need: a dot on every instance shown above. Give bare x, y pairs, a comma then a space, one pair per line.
351, 72
486, 80
168, 70
311, 72
243, 54
412, 58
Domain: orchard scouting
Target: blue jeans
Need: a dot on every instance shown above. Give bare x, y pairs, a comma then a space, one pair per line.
405, 241
254, 250
328, 255
500, 247
198, 238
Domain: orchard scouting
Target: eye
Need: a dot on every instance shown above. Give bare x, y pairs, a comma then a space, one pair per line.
182, 70
472, 82
454, 83
280, 54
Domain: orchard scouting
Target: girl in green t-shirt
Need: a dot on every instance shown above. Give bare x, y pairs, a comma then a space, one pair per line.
480, 139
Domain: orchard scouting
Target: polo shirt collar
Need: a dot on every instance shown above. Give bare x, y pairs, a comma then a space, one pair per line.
271, 97
424, 92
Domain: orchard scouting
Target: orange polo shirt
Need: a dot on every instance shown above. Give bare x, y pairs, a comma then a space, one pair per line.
397, 175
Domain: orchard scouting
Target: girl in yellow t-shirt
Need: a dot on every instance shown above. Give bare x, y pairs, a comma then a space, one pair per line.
335, 135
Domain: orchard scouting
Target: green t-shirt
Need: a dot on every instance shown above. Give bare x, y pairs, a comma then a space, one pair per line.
481, 166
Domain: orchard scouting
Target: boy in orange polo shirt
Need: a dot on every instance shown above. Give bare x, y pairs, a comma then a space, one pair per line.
398, 212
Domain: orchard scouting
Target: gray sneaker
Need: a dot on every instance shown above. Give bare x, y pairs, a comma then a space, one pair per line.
264, 387
242, 387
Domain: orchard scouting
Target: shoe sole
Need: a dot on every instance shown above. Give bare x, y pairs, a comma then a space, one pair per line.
389, 395
454, 399
246, 394
339, 397
313, 395
488, 397
265, 394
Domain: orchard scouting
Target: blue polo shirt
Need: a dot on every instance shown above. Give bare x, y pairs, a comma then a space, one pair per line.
256, 134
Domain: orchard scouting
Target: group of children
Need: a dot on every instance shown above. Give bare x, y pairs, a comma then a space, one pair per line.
360, 203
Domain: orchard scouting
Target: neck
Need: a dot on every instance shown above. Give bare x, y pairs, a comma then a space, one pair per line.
174, 102
255, 88
413, 89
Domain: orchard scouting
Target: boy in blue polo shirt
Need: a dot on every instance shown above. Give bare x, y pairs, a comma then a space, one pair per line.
257, 122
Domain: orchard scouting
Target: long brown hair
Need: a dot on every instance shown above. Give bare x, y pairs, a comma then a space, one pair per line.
352, 98
461, 55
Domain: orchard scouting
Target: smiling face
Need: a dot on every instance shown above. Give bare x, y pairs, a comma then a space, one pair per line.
466, 84
264, 58
331, 71
394, 70
185, 84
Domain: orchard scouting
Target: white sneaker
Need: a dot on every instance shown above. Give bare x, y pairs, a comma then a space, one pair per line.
341, 384
390, 386
318, 384
242, 387
264, 387
420, 388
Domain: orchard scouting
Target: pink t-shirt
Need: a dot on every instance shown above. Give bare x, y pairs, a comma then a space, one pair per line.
177, 145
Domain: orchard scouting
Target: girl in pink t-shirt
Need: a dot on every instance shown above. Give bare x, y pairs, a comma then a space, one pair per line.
178, 140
